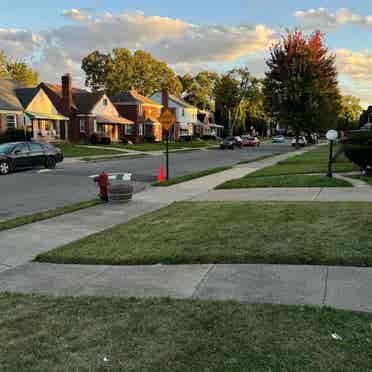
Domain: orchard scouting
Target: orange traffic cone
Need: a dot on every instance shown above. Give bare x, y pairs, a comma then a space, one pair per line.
161, 174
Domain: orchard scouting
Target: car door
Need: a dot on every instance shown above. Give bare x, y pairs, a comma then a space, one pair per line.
21, 156
37, 154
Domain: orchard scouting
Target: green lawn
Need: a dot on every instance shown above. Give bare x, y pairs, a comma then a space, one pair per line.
367, 179
290, 180
77, 151
40, 216
189, 177
315, 161
44, 334
233, 232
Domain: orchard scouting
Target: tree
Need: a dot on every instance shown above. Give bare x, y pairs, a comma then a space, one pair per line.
122, 70
20, 72
301, 89
200, 90
349, 113
17, 70
234, 91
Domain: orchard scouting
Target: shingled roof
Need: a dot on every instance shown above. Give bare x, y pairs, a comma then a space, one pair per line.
82, 100
132, 97
26, 95
8, 96
85, 102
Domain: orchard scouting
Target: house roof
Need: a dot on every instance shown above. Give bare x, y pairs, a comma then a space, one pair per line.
181, 102
8, 97
177, 100
85, 102
132, 96
26, 95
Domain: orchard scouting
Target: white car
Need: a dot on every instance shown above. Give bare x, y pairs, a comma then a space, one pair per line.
301, 141
278, 139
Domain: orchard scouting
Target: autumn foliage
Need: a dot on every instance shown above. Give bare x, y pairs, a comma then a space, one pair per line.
301, 87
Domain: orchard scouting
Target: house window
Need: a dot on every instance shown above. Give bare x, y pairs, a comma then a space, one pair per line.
82, 125
183, 112
11, 121
95, 125
105, 102
128, 130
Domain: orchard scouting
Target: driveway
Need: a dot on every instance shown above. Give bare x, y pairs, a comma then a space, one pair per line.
37, 190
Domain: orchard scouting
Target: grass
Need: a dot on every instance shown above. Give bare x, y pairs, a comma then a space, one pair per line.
258, 159
297, 171
315, 161
42, 334
232, 232
290, 180
40, 216
190, 177
79, 151
366, 179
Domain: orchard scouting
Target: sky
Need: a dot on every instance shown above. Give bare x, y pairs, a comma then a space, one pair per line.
190, 36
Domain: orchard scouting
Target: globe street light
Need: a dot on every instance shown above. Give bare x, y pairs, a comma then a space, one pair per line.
332, 136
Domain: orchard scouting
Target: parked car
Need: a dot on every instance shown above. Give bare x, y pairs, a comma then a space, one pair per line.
278, 139
250, 141
20, 155
301, 141
231, 143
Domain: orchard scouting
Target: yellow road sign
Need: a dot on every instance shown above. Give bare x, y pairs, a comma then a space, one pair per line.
167, 119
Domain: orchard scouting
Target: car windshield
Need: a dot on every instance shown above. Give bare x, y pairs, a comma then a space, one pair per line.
229, 139
6, 148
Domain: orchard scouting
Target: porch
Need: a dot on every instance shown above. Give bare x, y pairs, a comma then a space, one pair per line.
113, 126
46, 127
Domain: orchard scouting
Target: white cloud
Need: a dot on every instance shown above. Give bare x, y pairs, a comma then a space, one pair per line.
183, 45
18, 43
324, 19
356, 65
75, 15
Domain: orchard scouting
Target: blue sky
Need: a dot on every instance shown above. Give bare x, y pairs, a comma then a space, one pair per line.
209, 33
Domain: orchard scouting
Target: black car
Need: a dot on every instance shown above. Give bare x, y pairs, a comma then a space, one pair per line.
18, 155
231, 142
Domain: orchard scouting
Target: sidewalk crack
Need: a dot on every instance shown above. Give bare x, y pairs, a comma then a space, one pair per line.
203, 280
325, 286
317, 194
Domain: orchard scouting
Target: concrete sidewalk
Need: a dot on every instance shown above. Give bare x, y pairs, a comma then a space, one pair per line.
339, 287
22, 244
328, 194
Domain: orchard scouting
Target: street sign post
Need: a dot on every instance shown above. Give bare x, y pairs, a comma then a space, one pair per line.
167, 120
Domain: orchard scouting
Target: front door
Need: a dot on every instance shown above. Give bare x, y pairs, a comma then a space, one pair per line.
37, 154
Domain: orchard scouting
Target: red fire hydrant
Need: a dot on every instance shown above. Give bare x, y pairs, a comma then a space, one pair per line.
103, 182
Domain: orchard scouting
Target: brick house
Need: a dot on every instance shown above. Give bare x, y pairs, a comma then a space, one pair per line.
88, 112
29, 109
143, 111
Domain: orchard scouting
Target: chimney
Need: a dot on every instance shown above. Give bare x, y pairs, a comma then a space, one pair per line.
165, 97
67, 94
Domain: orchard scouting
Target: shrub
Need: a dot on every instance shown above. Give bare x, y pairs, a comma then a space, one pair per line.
358, 147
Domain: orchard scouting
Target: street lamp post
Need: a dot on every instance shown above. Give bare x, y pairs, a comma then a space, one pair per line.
332, 136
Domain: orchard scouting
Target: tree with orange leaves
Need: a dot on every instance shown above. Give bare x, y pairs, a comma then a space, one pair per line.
301, 88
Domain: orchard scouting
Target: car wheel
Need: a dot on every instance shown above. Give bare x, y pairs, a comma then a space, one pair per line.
50, 163
4, 167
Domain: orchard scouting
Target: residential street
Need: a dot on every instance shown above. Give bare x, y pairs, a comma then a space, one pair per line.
70, 182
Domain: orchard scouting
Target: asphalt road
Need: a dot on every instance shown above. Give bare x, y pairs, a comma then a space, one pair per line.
35, 190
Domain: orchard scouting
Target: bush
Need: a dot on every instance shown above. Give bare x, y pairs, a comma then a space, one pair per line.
358, 147
15, 135
149, 139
